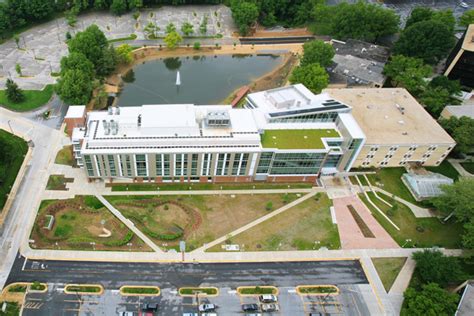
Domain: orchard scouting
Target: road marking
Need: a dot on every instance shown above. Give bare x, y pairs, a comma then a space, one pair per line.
24, 264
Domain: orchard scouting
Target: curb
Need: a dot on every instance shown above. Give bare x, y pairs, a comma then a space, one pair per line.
85, 292
276, 291
140, 287
28, 285
198, 294
299, 287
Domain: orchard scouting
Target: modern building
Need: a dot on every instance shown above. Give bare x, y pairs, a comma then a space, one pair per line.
398, 130
460, 63
283, 135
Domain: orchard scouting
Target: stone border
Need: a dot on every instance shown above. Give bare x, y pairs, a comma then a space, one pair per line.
28, 285
299, 287
198, 294
140, 294
262, 287
86, 293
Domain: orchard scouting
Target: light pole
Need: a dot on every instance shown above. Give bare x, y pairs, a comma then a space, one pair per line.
11, 129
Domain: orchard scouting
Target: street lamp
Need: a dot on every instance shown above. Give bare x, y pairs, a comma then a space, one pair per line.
406, 241
11, 129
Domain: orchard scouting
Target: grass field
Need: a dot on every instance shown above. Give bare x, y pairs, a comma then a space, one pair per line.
305, 226
296, 139
391, 181
388, 269
446, 169
13, 151
423, 232
58, 182
468, 166
12, 309
33, 99
65, 156
205, 186
197, 219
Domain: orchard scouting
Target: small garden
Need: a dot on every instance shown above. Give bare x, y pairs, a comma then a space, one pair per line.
197, 219
12, 309
414, 232
81, 223
137, 290
468, 166
65, 156
388, 270
306, 226
198, 291
83, 288
317, 289
58, 182
32, 99
257, 290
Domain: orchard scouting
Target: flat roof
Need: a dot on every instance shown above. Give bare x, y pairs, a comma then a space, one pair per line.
379, 114
75, 111
296, 138
468, 43
461, 110
361, 49
357, 70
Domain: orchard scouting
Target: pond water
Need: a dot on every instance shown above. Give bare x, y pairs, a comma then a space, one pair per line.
205, 80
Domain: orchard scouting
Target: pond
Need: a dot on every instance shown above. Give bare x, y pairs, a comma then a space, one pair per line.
205, 80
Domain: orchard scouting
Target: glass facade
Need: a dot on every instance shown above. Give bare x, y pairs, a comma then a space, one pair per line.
265, 162
181, 164
309, 118
112, 169
297, 163
194, 164
206, 164
141, 165
332, 161
223, 161
89, 167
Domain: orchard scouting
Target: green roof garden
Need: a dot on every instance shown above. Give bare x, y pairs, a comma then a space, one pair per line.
296, 138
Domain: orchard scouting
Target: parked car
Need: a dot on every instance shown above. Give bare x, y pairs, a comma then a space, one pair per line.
268, 298
190, 314
127, 314
271, 307
208, 314
207, 307
250, 307
150, 307
253, 314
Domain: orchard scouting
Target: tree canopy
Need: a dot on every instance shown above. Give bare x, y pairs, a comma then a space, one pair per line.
467, 18
420, 14
317, 52
118, 7
244, 14
461, 129
124, 54
429, 40
74, 87
407, 72
77, 61
172, 39
434, 266
13, 92
313, 76
430, 301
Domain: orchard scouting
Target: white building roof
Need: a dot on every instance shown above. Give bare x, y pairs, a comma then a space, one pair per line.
75, 111
461, 110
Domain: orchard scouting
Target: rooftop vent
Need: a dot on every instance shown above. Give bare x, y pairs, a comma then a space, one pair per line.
110, 110
217, 118
400, 108
139, 120
106, 127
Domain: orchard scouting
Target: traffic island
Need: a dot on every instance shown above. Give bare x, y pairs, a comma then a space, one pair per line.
199, 291
256, 290
317, 290
136, 290
86, 289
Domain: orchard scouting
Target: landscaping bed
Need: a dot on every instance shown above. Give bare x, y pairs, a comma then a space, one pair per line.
65, 156
306, 226
137, 290
81, 223
58, 182
257, 290
33, 99
86, 288
14, 149
388, 270
18, 288
204, 186
317, 289
365, 230
197, 219
184, 291
423, 232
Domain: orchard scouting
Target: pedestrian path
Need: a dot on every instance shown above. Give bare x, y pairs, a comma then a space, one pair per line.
401, 284
459, 168
129, 224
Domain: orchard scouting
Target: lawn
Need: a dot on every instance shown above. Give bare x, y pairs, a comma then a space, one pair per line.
198, 290
13, 309
388, 269
33, 99
13, 149
150, 290
257, 290
468, 166
81, 223
58, 182
65, 156
197, 219
296, 138
83, 288
446, 169
205, 186
390, 180
423, 232
305, 226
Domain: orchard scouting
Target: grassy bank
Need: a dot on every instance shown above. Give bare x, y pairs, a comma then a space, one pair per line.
33, 99
206, 186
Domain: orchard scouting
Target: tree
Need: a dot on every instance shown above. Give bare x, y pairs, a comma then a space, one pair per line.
17, 40
118, 7
434, 266
170, 28
13, 92
408, 73
461, 129
135, 4
429, 40
452, 86
317, 52
468, 236
244, 15
77, 61
431, 300
457, 198
74, 87
434, 100
124, 54
313, 76
197, 45
151, 29
467, 18
100, 4
446, 17
18, 69
187, 28
172, 39
363, 21
419, 14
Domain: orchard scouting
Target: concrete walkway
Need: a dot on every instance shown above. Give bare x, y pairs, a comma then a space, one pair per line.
418, 211
256, 222
401, 283
383, 299
459, 168
129, 224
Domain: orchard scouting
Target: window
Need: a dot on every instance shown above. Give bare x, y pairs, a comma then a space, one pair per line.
297, 163
128, 165
235, 165
264, 162
159, 164
89, 167
309, 118
243, 164
101, 166
111, 160
223, 161
141, 165
332, 161
206, 164
166, 165
181, 165
194, 164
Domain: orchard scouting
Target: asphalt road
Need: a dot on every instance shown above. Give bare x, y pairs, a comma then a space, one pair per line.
114, 275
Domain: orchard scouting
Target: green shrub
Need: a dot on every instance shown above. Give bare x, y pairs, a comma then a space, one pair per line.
63, 231
197, 45
117, 243
36, 286
17, 289
93, 202
269, 206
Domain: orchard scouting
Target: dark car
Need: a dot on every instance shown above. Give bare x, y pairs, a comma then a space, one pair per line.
250, 307
150, 307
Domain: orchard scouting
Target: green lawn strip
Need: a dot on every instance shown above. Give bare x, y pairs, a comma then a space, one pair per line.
206, 186
14, 149
58, 182
468, 166
388, 270
128, 38
446, 169
256, 290
36, 286
33, 99
83, 288
140, 290
305, 226
17, 288
362, 180
365, 230
65, 156
13, 309
423, 232
392, 182
296, 138
197, 290
321, 289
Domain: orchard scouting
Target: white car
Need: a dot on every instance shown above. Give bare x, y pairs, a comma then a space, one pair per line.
207, 307
464, 5
268, 298
270, 308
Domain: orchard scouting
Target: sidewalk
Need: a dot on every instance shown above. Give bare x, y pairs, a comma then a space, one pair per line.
459, 168
401, 283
